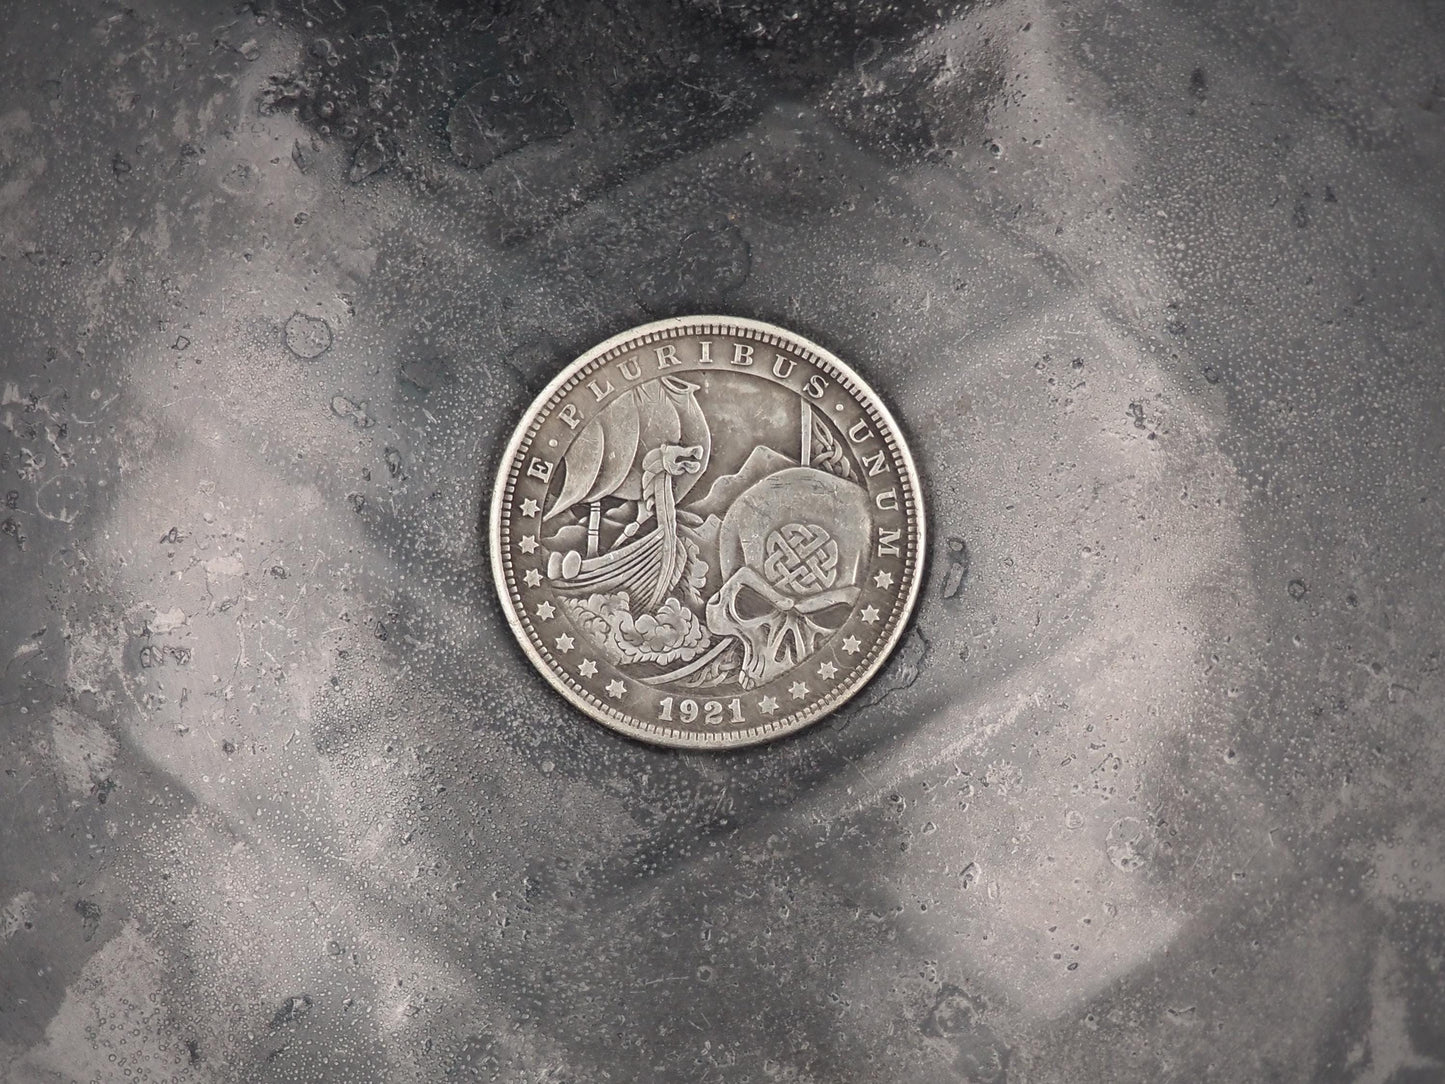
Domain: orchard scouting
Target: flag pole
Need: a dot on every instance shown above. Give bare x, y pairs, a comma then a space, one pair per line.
807, 426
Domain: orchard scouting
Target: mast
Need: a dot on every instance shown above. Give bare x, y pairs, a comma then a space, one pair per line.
594, 523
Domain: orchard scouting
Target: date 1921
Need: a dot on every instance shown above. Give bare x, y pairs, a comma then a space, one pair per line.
712, 711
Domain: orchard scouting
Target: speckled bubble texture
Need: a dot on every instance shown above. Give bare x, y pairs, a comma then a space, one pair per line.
1151, 789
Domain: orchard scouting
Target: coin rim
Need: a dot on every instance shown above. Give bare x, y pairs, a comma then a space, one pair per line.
625, 725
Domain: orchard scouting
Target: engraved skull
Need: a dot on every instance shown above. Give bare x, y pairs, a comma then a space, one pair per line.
791, 549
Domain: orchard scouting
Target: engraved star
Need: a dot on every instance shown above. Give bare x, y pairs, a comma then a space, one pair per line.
767, 705
533, 578
616, 688
798, 689
528, 543
565, 643
884, 579
588, 668
826, 671
530, 507
546, 611
852, 645
870, 614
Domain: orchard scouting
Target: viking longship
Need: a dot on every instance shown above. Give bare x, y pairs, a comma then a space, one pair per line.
650, 445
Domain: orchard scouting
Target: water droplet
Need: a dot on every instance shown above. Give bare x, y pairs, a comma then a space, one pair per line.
1129, 844
307, 337
343, 407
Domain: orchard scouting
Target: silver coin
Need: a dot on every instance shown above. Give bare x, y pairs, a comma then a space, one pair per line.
707, 532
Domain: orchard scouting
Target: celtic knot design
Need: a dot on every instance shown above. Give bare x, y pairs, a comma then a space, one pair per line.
801, 558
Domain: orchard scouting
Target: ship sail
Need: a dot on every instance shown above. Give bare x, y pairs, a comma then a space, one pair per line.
607, 441
605, 459
649, 445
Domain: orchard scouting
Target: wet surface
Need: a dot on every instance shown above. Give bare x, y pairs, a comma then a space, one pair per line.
1151, 790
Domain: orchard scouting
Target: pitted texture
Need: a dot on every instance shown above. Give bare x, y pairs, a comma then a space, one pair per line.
1151, 788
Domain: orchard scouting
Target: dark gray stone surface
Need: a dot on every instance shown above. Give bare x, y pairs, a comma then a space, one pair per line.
1153, 790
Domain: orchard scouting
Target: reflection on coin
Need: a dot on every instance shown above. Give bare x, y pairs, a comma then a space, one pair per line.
707, 532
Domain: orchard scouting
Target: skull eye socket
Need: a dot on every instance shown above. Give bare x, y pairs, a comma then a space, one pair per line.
750, 605
831, 617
